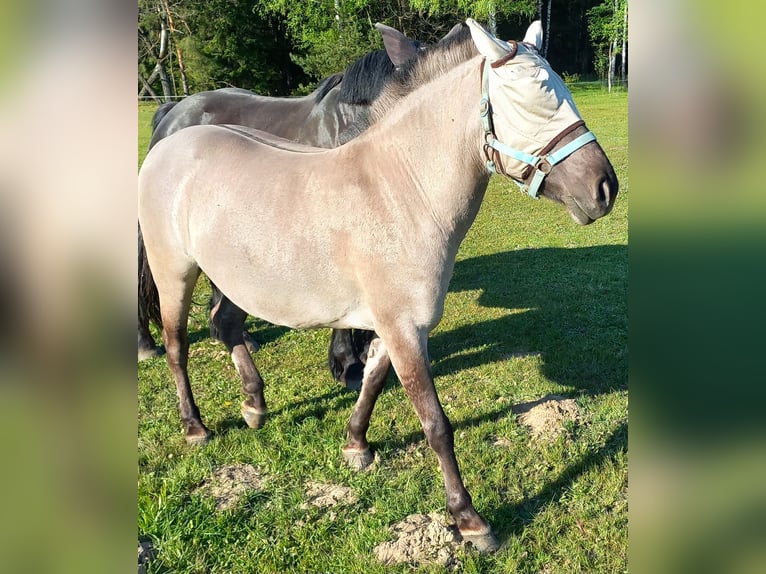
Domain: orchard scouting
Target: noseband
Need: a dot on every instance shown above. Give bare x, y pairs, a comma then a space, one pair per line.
543, 163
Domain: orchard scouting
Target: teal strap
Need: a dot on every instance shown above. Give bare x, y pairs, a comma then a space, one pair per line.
556, 156
514, 153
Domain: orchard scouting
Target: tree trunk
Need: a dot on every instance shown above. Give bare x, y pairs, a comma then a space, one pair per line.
547, 29
147, 88
181, 67
624, 63
161, 57
492, 19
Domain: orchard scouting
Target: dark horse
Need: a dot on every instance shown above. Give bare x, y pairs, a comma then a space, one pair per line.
257, 213
334, 113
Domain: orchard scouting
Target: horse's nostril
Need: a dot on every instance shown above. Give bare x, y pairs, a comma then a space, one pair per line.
604, 193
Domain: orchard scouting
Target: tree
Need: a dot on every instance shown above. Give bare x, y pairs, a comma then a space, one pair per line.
282, 47
154, 38
608, 28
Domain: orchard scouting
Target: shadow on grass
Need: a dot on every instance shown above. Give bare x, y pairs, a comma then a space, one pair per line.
335, 400
571, 310
511, 519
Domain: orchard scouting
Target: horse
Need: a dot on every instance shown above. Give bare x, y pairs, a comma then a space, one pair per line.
257, 213
333, 113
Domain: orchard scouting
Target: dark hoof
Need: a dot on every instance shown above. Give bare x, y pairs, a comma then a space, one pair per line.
255, 419
198, 436
358, 459
352, 377
483, 543
150, 352
251, 344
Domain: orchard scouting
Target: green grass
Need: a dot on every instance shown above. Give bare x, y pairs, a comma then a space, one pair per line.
537, 305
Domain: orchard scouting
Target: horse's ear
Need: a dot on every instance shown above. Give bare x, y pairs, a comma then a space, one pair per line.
534, 34
400, 48
490, 47
452, 33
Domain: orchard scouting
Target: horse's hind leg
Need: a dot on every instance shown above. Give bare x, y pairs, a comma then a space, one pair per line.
176, 298
213, 304
357, 451
228, 319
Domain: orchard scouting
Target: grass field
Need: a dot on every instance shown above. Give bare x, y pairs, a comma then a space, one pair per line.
537, 306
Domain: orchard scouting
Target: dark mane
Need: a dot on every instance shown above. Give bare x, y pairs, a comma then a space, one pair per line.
161, 112
365, 78
326, 85
434, 61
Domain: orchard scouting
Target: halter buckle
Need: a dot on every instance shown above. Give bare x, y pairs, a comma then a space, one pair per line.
544, 166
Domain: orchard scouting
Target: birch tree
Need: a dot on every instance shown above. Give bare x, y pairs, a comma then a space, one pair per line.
608, 29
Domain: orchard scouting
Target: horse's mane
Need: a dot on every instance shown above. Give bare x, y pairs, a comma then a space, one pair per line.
433, 62
161, 112
326, 85
364, 79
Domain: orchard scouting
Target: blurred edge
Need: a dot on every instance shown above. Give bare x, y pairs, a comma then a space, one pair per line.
67, 286
697, 265
68, 153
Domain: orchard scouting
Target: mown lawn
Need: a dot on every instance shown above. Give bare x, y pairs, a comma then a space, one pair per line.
537, 306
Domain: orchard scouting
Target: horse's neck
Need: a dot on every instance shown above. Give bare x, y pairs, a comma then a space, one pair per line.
436, 133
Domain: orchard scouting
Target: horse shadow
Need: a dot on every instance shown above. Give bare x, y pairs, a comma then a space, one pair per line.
336, 399
510, 520
569, 308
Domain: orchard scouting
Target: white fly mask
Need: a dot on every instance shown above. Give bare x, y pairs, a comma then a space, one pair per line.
525, 106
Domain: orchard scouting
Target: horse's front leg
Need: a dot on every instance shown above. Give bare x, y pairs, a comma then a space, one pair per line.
409, 355
228, 321
357, 451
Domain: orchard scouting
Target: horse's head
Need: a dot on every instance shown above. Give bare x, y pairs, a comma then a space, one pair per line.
534, 133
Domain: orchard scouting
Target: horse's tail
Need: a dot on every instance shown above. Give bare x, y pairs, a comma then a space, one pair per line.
148, 296
161, 112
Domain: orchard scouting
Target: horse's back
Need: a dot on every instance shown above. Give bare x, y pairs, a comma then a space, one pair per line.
281, 116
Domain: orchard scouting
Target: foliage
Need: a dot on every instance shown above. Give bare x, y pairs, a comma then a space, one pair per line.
607, 27
279, 47
224, 43
570, 79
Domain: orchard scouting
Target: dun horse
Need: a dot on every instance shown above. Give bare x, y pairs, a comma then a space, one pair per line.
337, 111
280, 245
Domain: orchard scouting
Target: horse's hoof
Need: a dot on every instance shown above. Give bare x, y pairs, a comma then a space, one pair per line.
251, 344
150, 353
255, 419
483, 543
352, 377
198, 437
358, 459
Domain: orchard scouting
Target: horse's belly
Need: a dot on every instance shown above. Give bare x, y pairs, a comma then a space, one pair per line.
291, 301
300, 312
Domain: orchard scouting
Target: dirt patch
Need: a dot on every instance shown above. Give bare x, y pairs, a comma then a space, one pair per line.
229, 483
422, 539
545, 417
325, 495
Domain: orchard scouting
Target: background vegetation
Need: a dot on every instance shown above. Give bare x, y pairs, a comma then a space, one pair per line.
282, 47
